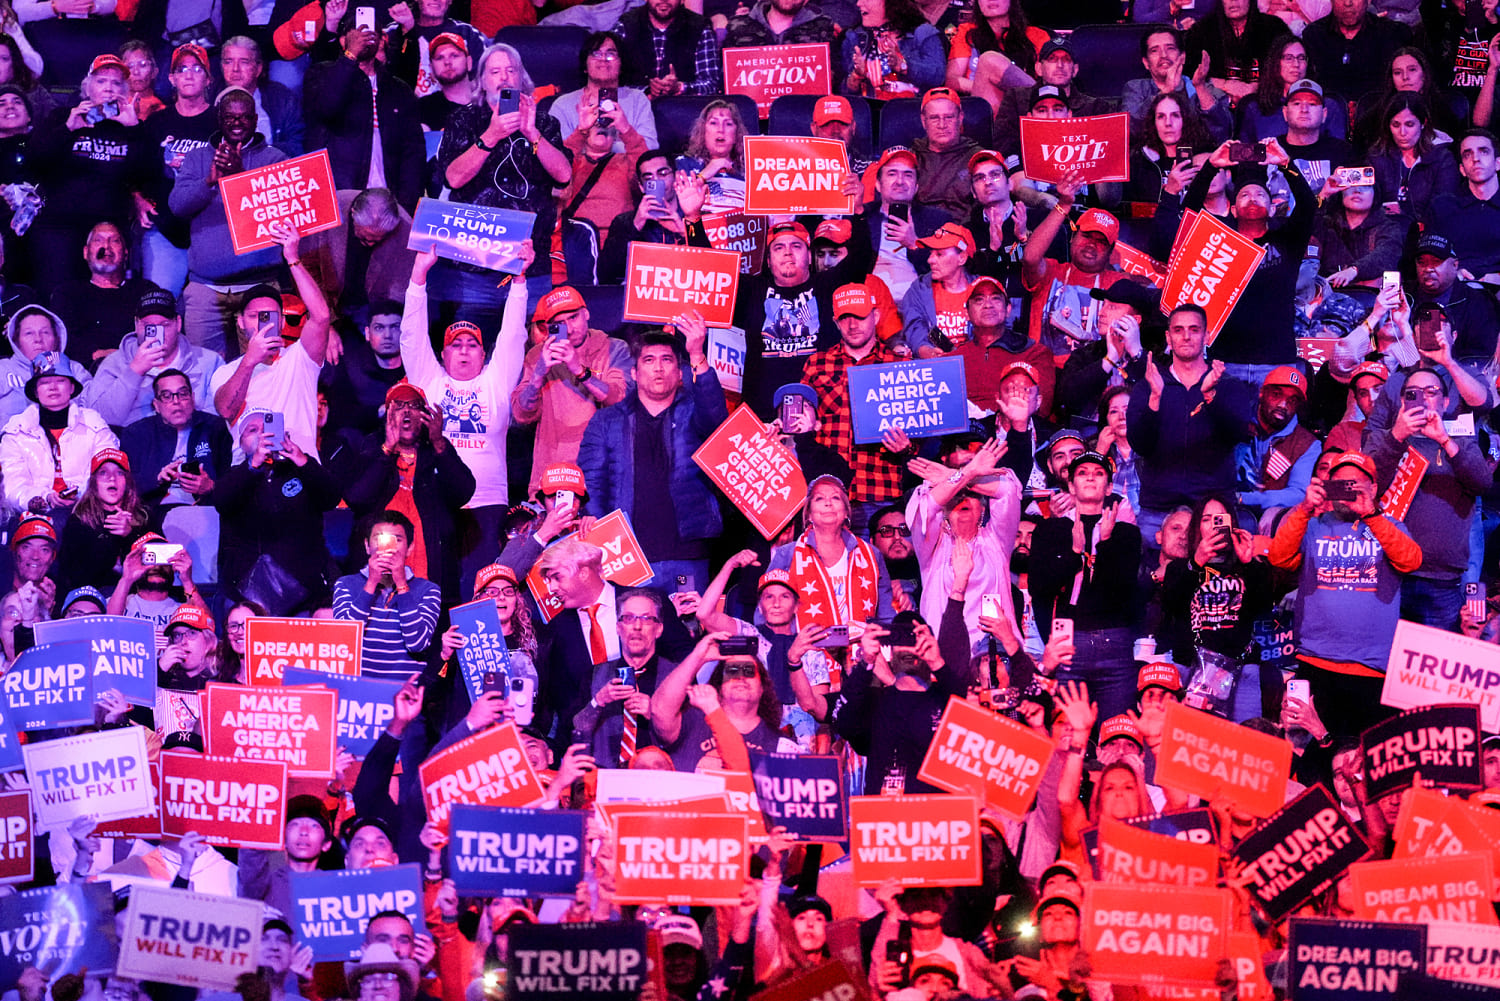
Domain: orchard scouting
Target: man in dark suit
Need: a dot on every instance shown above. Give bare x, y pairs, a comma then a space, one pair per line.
617, 720
166, 474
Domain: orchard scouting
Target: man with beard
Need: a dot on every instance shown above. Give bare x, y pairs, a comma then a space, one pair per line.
356, 385
1468, 305
1275, 464
453, 72
1351, 561
618, 715
411, 48
891, 537
91, 308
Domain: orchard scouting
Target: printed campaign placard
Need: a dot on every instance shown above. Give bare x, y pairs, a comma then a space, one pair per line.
739, 797
1396, 501
796, 175
803, 793
1155, 935
635, 785
1131, 854
298, 192
1351, 960
1298, 851
624, 563
915, 840
1210, 268
1435, 667
489, 768
102, 775
17, 837
679, 858
1097, 148
174, 936
832, 981
747, 461
1194, 827
481, 235
296, 725
1464, 952
331, 908
1317, 351
1436, 888
230, 801
741, 233
663, 281
484, 650
726, 353
330, 646
1137, 262
924, 398
145, 825
1441, 742
601, 961
765, 72
974, 750
10, 744
67, 928
609, 813
1425, 987
1207, 756
50, 686
366, 706
1433, 824
123, 651
501, 851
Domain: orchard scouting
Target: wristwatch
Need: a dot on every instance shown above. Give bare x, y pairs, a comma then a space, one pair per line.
479, 141
584, 376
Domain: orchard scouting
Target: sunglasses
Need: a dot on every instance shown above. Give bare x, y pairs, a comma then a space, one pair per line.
740, 670
891, 531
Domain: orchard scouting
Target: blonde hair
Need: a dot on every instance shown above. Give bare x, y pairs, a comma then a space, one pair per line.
573, 553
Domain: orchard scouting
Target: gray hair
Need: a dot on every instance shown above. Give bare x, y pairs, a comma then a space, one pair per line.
496, 49
244, 42
645, 594
375, 208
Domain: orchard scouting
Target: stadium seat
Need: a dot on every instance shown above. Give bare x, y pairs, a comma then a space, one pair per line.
606, 306
792, 116
1107, 56
675, 117
901, 121
550, 54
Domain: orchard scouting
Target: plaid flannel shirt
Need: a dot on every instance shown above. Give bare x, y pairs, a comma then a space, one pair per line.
706, 60
876, 477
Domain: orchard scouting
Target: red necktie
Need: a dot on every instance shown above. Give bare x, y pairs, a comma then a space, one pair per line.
597, 652
627, 740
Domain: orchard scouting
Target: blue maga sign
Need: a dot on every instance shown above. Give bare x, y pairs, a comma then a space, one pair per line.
923, 398
1352, 960
471, 234
331, 909
366, 705
803, 793
123, 652
484, 649
501, 851
51, 686
595, 960
61, 929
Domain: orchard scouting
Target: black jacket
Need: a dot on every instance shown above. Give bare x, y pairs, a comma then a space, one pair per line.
683, 35
151, 444
337, 103
276, 510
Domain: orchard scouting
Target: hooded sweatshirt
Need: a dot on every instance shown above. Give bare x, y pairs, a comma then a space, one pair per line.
16, 369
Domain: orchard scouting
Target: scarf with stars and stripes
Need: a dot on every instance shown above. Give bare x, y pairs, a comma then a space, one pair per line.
818, 601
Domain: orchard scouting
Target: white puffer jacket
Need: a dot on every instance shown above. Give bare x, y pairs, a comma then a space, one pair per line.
26, 457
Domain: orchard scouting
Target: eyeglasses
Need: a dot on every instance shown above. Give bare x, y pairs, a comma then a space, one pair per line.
235, 627
497, 592
168, 396
891, 531
380, 978
405, 405
1417, 394
605, 56
739, 671
631, 619
942, 119
193, 69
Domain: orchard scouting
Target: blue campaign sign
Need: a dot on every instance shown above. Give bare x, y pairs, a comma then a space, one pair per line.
601, 961
803, 793
1420, 987
922, 397
60, 929
1352, 960
331, 909
123, 652
366, 705
484, 649
471, 234
50, 686
501, 851
10, 745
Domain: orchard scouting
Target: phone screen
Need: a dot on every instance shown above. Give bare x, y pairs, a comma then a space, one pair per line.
902, 212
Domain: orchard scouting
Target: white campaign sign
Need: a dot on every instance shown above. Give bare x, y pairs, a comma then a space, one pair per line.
1431, 666
103, 775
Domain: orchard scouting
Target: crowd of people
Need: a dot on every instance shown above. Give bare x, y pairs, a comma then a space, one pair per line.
1147, 506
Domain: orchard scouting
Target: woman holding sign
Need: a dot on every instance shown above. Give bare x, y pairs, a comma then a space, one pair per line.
893, 53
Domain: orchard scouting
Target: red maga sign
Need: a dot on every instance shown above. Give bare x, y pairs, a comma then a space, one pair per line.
624, 563
662, 282
296, 725
796, 175
327, 645
298, 192
488, 769
758, 474
1210, 268
1208, 756
230, 801
1437, 888
17, 859
1170, 936
1098, 147
765, 72
974, 750
679, 858
915, 840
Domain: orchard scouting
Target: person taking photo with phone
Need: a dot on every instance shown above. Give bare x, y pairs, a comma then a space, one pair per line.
398, 607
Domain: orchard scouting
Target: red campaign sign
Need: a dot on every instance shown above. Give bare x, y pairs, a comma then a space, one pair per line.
758, 474
1396, 501
298, 192
624, 563
1130, 854
1436, 888
1433, 824
296, 725
1161, 936
718, 802
148, 825
743, 234
796, 175
765, 72
679, 858
1208, 756
1183, 225
230, 801
489, 768
832, 981
739, 797
974, 750
1138, 262
1098, 147
663, 281
17, 859
328, 645
1210, 269
1316, 351
915, 840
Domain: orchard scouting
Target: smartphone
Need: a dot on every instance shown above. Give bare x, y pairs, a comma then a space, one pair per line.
902, 212
1219, 522
1342, 490
837, 636
609, 98
1062, 629
1241, 152
901, 634
1474, 600
310, 33
1184, 152
192, 467
682, 583
655, 187
1391, 279
557, 330
989, 606
69, 493
1353, 177
748, 646
1299, 689
898, 951
564, 498
509, 101
625, 675
494, 681
364, 17
1430, 331
273, 433
152, 334
793, 407
154, 553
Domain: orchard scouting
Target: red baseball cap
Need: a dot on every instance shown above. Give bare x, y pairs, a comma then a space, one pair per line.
488, 575
404, 388
108, 61
1286, 375
1160, 674
191, 616
985, 156
1101, 222
563, 299
949, 234
1025, 368
448, 38
1358, 460
1374, 368
987, 282
109, 455
833, 109
1120, 726
34, 526
781, 577
852, 300
562, 476
941, 94
458, 328
191, 50
837, 231
788, 229
895, 153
